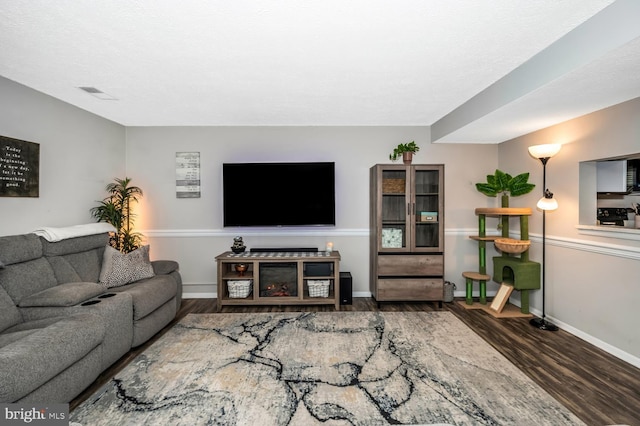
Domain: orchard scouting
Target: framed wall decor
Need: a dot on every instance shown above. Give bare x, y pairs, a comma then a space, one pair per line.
187, 175
19, 168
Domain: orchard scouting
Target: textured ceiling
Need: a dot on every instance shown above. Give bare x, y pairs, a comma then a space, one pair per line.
320, 63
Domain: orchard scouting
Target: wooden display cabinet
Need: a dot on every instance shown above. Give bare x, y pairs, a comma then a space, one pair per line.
275, 278
407, 232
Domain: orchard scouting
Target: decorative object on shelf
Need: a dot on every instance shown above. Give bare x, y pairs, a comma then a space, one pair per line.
505, 184
509, 245
407, 150
116, 209
547, 202
329, 247
240, 268
393, 186
318, 288
238, 245
392, 238
239, 289
428, 216
636, 211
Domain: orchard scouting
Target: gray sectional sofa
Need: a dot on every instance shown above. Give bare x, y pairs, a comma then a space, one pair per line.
60, 327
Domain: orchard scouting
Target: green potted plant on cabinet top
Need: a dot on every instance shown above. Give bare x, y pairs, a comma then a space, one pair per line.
505, 184
406, 150
116, 210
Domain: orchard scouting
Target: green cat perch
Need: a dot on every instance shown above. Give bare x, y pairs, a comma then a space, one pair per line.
509, 268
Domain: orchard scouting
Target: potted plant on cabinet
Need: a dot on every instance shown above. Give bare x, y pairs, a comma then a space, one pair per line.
116, 210
406, 150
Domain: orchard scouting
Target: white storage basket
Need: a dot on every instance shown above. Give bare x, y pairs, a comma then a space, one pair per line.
318, 288
239, 289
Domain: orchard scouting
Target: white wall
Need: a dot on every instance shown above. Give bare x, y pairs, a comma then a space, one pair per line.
190, 230
592, 280
79, 154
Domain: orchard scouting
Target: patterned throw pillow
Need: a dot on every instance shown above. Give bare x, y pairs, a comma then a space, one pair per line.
124, 268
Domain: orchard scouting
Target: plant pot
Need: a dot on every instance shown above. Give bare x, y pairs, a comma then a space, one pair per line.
407, 157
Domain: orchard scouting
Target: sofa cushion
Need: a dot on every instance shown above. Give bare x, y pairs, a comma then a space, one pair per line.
63, 270
19, 248
68, 294
24, 329
83, 266
8, 338
9, 314
124, 268
26, 278
37, 357
149, 294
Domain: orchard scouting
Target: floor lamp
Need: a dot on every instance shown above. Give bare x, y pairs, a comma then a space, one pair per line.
547, 202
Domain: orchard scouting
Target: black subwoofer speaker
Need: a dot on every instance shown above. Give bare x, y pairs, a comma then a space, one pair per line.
346, 288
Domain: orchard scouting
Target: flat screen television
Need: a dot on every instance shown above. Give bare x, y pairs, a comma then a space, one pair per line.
279, 194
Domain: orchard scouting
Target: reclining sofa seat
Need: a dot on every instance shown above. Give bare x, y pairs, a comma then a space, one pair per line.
59, 328
156, 300
56, 357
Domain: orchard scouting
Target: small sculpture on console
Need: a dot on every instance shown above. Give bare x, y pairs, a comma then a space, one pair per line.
238, 246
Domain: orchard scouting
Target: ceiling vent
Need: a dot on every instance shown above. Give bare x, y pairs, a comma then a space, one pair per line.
97, 93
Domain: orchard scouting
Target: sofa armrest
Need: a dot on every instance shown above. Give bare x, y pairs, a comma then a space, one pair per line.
164, 267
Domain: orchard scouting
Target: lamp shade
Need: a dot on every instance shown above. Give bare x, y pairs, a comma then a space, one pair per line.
547, 203
544, 151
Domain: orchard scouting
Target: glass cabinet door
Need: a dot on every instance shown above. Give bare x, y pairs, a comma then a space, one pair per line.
394, 220
426, 204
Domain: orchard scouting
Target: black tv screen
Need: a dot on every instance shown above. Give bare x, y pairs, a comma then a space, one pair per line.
278, 194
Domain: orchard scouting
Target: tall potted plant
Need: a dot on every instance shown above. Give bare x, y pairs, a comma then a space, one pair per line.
116, 210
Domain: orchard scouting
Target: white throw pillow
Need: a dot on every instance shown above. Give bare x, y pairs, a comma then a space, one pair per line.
124, 268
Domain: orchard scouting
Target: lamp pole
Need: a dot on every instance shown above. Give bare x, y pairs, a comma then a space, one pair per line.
543, 153
542, 323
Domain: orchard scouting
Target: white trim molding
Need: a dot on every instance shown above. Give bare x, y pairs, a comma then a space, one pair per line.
617, 250
270, 232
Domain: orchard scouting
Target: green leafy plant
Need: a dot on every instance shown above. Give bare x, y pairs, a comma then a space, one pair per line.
402, 148
503, 183
116, 210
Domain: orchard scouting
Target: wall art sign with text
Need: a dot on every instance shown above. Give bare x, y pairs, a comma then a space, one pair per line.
19, 168
187, 175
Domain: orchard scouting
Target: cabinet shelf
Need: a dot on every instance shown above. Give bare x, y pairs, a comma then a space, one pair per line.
283, 274
406, 260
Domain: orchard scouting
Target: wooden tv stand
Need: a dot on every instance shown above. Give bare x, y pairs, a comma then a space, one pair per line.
285, 278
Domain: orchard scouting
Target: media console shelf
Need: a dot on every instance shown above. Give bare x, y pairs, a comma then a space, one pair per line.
279, 278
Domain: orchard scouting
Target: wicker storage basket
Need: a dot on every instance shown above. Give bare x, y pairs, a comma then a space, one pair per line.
239, 289
393, 186
318, 288
509, 245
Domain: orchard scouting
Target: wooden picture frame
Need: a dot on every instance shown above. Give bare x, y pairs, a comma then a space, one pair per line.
501, 298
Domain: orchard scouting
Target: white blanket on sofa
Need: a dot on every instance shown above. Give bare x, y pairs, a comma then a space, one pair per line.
58, 234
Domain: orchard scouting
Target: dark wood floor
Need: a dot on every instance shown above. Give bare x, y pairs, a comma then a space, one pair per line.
599, 388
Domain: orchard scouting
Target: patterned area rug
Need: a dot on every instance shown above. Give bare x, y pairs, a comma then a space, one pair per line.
342, 368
